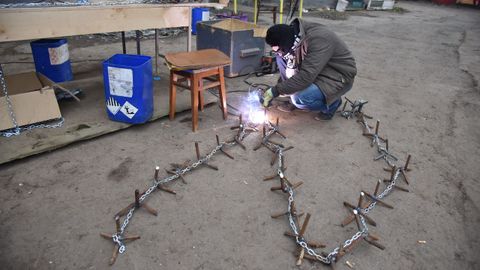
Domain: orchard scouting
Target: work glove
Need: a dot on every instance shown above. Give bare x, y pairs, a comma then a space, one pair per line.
268, 96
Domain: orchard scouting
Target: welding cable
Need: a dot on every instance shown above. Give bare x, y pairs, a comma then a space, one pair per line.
228, 105
252, 87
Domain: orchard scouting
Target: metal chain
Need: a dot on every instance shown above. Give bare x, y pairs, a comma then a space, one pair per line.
118, 237
332, 256
16, 130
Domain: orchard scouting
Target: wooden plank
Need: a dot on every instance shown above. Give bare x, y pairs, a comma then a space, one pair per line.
25, 25
33, 23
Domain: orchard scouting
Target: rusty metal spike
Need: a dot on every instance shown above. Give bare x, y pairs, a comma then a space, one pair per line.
407, 162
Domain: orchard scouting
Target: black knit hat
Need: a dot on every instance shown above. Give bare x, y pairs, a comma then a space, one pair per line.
281, 35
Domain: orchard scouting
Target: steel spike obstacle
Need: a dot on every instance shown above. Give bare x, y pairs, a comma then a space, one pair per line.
143, 204
177, 168
359, 208
402, 170
242, 129
273, 176
162, 187
281, 214
272, 130
300, 235
375, 135
294, 186
377, 200
112, 236
197, 152
313, 244
366, 237
137, 205
222, 149
355, 108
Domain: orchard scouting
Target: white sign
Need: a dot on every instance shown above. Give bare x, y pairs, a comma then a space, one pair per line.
113, 106
129, 110
205, 15
120, 81
58, 55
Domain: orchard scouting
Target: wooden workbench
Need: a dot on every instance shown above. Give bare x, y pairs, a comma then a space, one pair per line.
17, 24
48, 22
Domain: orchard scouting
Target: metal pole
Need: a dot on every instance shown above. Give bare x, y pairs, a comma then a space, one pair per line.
189, 37
156, 52
300, 11
255, 12
123, 43
137, 32
281, 11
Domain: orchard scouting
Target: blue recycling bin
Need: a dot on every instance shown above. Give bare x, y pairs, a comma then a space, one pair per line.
128, 87
52, 59
198, 15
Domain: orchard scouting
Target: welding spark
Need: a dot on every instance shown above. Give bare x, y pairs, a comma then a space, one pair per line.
257, 117
254, 108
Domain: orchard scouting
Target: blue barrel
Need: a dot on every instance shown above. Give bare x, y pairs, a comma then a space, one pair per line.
128, 87
198, 15
52, 59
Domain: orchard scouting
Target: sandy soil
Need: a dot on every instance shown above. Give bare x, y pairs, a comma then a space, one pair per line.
418, 70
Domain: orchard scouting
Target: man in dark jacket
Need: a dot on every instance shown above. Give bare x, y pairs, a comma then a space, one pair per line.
316, 67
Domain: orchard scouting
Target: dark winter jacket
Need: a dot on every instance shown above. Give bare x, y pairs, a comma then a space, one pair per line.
323, 59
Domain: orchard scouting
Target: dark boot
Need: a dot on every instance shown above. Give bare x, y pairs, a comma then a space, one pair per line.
326, 116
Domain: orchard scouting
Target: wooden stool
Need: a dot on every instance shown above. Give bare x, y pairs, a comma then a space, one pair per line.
265, 8
214, 61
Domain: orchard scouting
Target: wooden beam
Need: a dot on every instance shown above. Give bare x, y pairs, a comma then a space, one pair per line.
33, 23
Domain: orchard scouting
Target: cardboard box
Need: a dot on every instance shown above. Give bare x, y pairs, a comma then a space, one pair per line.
33, 100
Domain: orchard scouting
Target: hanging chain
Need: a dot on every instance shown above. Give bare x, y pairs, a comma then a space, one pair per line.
16, 130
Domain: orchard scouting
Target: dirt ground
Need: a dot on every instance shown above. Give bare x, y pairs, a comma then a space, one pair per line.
419, 71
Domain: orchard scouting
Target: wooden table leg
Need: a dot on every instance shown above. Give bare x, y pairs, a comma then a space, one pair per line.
194, 95
223, 94
200, 94
173, 95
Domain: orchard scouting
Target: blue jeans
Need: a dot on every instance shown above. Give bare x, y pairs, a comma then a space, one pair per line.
313, 99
